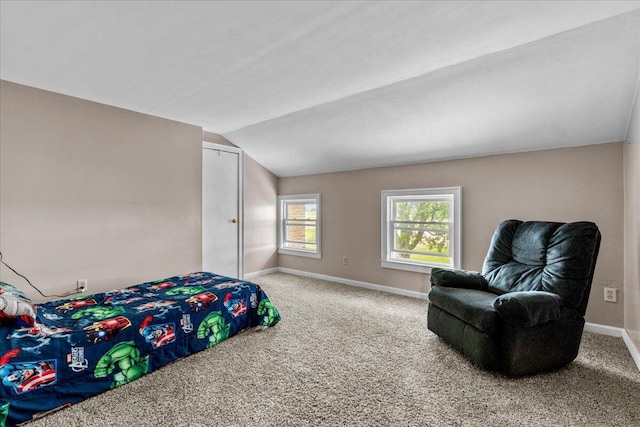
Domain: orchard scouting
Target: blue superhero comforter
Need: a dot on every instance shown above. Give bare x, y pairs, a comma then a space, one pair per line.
84, 346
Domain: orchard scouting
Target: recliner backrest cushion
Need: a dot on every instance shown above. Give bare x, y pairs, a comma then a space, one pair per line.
543, 256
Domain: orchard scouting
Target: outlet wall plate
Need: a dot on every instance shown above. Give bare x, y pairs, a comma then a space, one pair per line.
610, 294
81, 285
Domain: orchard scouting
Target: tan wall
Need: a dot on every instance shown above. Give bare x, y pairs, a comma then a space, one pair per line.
260, 214
260, 217
632, 229
570, 184
96, 192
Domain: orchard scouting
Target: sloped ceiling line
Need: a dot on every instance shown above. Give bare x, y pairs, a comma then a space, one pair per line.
633, 107
441, 68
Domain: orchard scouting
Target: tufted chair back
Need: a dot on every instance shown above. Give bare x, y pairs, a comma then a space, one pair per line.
544, 256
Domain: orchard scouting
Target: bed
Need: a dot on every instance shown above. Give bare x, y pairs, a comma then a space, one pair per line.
58, 353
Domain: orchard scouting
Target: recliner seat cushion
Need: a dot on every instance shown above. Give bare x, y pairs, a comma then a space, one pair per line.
469, 305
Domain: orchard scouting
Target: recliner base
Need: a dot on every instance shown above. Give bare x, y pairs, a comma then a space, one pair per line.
517, 351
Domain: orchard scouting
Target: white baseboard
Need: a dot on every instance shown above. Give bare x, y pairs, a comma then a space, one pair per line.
603, 329
261, 272
635, 353
372, 286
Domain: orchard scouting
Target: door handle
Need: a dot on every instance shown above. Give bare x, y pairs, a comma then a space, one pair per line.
235, 220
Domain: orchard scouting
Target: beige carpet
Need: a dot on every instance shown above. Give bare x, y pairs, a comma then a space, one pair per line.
348, 356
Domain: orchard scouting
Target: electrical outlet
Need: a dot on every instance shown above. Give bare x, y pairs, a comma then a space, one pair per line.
81, 285
345, 260
610, 294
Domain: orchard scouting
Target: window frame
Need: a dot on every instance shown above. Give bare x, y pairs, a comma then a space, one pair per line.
307, 198
388, 197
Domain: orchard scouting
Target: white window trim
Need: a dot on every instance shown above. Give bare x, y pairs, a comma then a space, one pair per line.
281, 230
456, 232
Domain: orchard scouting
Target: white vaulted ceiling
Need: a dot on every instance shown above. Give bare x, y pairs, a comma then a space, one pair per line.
309, 87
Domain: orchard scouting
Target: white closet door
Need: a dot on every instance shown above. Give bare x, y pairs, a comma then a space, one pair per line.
222, 210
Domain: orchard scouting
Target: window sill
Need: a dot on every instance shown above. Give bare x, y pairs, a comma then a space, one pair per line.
410, 267
306, 254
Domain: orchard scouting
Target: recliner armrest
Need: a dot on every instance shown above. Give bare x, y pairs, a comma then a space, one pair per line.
458, 279
528, 308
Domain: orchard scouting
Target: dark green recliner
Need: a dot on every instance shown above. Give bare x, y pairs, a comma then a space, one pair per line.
525, 313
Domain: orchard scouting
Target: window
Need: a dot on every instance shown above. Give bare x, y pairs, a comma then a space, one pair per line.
421, 228
299, 225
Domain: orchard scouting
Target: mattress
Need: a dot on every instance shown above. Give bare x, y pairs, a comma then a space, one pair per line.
84, 346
